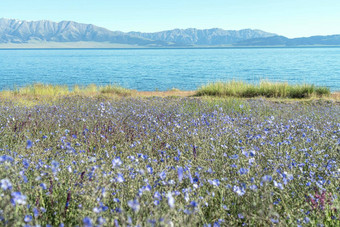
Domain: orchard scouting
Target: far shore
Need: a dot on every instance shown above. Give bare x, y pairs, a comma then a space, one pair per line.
107, 45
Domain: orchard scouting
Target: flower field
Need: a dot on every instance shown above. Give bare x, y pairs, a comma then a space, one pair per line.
169, 162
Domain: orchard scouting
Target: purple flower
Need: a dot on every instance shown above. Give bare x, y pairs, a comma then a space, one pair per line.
156, 202
35, 212
267, 178
18, 198
120, 178
214, 182
239, 190
101, 220
29, 144
171, 200
193, 204
43, 186
28, 218
6, 158
278, 185
180, 173
5, 184
243, 171
162, 175
149, 168
87, 222
275, 221
116, 162
134, 205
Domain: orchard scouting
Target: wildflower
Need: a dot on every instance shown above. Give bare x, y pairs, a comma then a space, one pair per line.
28, 218
134, 205
101, 220
87, 222
120, 178
243, 171
6, 158
35, 212
43, 186
214, 182
29, 144
5, 184
171, 200
26, 163
275, 221
267, 178
162, 175
278, 185
253, 187
193, 204
149, 168
180, 173
116, 162
239, 190
18, 198
234, 156
156, 202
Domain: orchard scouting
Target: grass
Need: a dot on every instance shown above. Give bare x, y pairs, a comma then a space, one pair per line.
265, 89
48, 92
86, 161
33, 94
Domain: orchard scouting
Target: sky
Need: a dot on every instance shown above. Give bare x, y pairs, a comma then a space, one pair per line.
291, 18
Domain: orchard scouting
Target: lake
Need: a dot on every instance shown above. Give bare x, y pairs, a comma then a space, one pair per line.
163, 69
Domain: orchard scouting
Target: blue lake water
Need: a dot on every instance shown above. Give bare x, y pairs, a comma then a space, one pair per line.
163, 69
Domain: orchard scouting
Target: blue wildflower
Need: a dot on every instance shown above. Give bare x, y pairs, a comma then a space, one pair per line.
162, 175
243, 171
239, 190
5, 184
180, 173
29, 144
87, 222
134, 205
18, 198
28, 218
171, 200
120, 178
267, 178
278, 185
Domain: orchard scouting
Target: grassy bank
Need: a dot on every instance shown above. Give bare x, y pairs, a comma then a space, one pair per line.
265, 89
169, 162
48, 90
46, 93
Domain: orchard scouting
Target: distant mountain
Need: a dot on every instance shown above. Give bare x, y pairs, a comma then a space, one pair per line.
37, 34
330, 40
206, 37
17, 31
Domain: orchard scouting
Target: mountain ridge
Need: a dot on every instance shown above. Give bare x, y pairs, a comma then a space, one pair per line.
14, 32
20, 31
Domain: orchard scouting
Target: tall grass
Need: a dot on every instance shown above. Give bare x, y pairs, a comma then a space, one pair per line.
265, 88
55, 91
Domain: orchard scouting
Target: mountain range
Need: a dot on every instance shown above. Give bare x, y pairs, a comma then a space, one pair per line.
41, 33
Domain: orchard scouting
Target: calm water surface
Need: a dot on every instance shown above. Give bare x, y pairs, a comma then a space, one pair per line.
187, 69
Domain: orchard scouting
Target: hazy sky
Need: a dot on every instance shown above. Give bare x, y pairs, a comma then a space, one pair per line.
292, 18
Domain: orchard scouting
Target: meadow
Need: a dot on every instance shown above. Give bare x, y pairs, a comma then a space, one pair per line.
174, 161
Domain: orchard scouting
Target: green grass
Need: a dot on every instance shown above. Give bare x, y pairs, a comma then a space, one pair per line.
39, 90
265, 89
